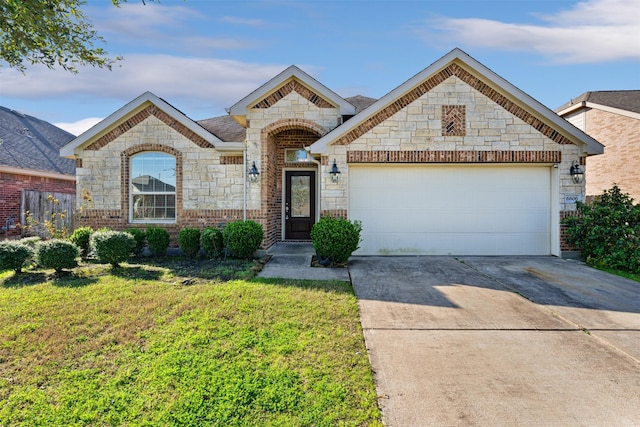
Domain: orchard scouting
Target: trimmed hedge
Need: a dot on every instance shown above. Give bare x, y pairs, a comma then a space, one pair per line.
57, 254
80, 237
112, 247
212, 242
14, 255
335, 239
157, 240
189, 241
243, 238
140, 237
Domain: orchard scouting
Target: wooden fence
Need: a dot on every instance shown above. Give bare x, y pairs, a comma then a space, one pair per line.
38, 207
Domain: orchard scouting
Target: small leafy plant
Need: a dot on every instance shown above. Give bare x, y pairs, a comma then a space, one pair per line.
140, 237
335, 239
212, 242
189, 241
58, 254
80, 237
243, 238
157, 240
14, 255
112, 247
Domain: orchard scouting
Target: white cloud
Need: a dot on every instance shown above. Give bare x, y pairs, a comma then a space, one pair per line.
212, 83
76, 128
592, 31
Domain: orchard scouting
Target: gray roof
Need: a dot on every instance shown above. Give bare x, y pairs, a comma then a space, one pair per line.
628, 100
225, 128
360, 102
30, 143
228, 130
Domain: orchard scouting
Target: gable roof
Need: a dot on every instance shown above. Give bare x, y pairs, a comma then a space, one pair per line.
225, 128
137, 105
31, 144
617, 101
239, 109
483, 79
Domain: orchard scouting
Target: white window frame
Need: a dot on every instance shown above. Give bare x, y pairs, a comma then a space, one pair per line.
133, 193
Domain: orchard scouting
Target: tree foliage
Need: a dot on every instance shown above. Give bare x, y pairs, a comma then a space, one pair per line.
55, 33
607, 231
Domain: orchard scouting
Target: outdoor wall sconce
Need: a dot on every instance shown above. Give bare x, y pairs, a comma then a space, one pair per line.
253, 173
576, 172
334, 172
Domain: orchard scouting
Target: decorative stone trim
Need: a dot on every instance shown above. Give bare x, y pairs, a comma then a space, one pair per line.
333, 213
454, 120
294, 86
138, 118
454, 156
473, 81
231, 160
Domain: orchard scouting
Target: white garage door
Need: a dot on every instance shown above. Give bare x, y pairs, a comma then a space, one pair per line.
452, 209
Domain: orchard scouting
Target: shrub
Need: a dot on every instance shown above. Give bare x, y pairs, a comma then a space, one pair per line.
112, 247
80, 237
57, 254
189, 241
31, 241
140, 237
14, 255
212, 242
243, 238
336, 238
607, 231
157, 240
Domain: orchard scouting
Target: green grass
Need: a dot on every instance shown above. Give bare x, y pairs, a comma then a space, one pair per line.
175, 345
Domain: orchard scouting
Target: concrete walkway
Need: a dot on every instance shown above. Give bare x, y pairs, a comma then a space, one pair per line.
293, 261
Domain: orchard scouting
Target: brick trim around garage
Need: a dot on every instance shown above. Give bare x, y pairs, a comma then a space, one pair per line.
450, 156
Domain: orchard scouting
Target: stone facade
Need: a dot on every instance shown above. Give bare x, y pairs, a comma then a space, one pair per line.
414, 134
452, 116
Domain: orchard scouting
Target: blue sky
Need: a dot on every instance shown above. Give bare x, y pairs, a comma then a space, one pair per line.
204, 55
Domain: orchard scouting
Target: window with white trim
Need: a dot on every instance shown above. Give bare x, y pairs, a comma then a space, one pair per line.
152, 184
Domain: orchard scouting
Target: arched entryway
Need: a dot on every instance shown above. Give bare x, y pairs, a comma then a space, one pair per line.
288, 182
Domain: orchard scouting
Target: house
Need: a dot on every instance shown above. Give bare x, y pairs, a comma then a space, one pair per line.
613, 118
30, 161
456, 160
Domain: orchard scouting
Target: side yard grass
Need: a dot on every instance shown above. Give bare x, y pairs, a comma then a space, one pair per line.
156, 345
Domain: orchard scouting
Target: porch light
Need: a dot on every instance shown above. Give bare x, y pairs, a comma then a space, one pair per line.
334, 172
253, 173
576, 172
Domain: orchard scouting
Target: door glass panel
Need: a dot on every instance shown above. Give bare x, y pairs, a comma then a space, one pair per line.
300, 200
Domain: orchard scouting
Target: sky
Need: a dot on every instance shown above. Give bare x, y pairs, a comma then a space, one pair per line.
203, 56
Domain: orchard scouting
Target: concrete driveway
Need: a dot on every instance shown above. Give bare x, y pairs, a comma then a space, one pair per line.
500, 341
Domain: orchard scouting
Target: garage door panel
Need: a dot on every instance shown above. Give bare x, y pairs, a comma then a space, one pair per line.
470, 210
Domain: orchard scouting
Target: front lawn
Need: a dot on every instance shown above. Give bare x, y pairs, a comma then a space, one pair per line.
175, 345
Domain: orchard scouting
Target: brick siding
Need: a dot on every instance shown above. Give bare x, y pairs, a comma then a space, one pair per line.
618, 164
11, 186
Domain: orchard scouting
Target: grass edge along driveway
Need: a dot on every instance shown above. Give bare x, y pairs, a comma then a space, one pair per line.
138, 349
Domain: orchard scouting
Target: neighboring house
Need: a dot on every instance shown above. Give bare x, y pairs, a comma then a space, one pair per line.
455, 160
613, 118
30, 161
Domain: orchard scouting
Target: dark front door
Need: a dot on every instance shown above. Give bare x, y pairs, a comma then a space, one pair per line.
300, 204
